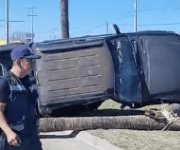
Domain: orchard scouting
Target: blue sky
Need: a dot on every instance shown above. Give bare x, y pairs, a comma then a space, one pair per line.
88, 17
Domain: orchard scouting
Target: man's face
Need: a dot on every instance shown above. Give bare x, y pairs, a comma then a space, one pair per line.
26, 65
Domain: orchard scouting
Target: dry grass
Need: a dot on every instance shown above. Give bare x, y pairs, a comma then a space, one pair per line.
138, 139
141, 140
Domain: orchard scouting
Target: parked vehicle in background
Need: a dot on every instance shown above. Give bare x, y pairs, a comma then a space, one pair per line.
134, 69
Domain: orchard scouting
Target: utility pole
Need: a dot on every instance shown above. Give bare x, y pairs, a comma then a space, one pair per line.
7, 20
32, 15
107, 27
64, 18
135, 15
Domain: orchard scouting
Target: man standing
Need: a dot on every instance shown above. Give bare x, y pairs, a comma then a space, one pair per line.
18, 103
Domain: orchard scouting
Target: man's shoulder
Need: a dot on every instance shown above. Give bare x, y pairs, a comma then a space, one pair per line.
3, 81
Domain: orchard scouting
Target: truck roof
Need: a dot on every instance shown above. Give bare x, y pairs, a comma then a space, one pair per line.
106, 36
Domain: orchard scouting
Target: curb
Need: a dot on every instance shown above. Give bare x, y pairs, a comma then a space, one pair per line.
96, 142
83, 137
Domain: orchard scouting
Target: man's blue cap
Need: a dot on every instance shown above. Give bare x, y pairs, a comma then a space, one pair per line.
23, 51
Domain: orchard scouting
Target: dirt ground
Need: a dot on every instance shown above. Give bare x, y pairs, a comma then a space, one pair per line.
138, 139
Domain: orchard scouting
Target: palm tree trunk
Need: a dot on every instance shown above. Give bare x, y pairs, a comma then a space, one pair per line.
117, 122
64, 19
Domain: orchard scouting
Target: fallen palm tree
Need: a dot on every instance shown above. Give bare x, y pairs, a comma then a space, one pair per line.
151, 120
120, 122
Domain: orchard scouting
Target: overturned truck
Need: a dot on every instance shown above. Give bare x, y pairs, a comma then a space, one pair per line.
134, 69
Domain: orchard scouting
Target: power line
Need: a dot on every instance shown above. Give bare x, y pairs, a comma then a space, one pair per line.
7, 21
11, 21
161, 24
165, 9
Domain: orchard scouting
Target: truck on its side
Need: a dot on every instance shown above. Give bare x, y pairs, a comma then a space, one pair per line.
134, 69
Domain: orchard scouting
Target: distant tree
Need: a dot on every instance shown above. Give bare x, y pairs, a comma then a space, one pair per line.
64, 18
22, 37
18, 37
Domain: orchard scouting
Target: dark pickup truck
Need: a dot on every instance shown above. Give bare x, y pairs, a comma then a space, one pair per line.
134, 69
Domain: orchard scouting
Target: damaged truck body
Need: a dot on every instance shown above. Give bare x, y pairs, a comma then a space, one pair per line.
135, 69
